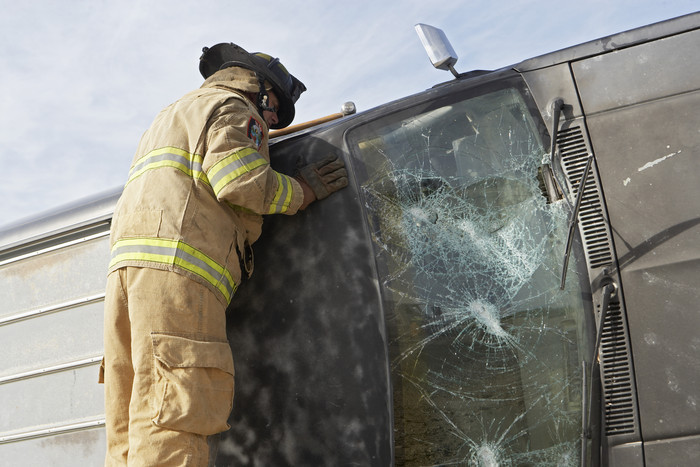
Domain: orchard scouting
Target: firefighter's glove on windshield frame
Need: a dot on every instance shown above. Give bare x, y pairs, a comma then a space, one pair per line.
325, 176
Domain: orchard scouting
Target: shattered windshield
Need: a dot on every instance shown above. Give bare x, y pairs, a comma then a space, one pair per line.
485, 348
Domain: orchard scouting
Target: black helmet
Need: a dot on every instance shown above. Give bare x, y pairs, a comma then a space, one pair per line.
287, 88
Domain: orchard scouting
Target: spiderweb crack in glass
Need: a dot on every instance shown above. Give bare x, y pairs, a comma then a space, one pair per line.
485, 347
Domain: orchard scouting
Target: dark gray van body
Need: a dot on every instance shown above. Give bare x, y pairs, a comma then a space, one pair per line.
417, 317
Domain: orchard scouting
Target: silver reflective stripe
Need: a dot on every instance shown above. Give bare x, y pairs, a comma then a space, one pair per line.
233, 166
282, 198
172, 252
168, 156
179, 159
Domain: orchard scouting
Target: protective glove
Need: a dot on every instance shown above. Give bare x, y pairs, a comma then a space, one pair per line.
325, 176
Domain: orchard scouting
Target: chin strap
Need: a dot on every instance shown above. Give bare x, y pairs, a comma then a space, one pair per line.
262, 95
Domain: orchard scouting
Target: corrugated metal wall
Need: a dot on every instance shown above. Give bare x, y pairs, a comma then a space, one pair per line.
51, 316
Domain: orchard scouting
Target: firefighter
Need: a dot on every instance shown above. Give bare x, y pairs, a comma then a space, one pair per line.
181, 239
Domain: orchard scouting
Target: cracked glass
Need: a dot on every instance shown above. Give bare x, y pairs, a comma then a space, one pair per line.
485, 348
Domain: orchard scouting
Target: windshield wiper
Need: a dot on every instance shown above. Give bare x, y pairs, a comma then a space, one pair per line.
573, 220
557, 107
609, 292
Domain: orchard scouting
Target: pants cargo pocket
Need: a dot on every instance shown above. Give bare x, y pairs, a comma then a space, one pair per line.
193, 390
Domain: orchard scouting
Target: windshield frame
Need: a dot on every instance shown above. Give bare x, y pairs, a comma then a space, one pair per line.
456, 92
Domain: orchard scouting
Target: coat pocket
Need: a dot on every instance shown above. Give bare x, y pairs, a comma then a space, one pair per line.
194, 383
138, 223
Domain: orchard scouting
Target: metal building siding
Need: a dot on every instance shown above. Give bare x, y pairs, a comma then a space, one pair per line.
53, 276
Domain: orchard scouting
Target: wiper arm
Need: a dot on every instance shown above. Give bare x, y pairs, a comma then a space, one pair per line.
557, 106
573, 220
550, 184
609, 291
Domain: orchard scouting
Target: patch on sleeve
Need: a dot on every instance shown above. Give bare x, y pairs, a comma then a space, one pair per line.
255, 132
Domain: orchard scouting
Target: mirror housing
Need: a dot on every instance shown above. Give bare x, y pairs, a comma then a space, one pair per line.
438, 48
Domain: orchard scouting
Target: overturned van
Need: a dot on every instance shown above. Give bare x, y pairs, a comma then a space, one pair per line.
511, 278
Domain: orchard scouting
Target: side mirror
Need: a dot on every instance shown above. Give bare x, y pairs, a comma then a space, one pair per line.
438, 48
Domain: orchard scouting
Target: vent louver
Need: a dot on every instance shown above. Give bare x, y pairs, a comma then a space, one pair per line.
617, 384
594, 229
620, 408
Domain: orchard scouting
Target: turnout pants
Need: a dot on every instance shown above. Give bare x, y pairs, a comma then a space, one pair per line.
168, 369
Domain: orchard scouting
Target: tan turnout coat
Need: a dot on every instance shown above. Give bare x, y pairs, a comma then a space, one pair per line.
199, 185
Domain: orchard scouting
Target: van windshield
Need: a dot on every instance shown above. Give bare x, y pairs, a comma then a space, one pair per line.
485, 348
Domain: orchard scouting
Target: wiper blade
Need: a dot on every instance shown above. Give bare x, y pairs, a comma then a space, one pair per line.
573, 220
585, 409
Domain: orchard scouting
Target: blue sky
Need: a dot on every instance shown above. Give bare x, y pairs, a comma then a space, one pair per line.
82, 80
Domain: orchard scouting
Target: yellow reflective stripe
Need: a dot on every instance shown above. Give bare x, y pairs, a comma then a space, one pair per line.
178, 253
233, 166
283, 195
190, 164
